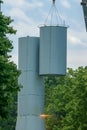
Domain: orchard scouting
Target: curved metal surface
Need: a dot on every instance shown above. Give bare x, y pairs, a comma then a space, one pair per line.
31, 96
53, 49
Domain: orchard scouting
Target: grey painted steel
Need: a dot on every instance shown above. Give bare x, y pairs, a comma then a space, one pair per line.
28, 53
29, 79
31, 96
53, 49
30, 123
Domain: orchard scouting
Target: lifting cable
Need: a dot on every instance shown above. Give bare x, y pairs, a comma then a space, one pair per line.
53, 12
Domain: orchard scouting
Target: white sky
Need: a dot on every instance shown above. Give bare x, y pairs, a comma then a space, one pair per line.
29, 14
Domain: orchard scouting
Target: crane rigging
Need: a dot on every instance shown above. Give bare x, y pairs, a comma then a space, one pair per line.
53, 16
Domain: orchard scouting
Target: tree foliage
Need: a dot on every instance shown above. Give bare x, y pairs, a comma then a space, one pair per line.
66, 100
8, 70
9, 123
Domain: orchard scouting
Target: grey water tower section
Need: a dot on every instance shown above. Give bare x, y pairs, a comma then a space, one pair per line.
53, 50
39, 57
31, 96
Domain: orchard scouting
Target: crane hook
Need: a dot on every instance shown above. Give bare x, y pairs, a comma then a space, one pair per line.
53, 1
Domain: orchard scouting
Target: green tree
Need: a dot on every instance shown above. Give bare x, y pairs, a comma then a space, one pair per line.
66, 100
10, 122
8, 70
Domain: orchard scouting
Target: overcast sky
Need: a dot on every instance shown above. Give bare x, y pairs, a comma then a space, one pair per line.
29, 14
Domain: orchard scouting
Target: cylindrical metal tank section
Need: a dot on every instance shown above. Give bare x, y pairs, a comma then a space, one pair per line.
31, 96
53, 47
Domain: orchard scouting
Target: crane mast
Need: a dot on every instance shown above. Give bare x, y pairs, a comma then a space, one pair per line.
84, 5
